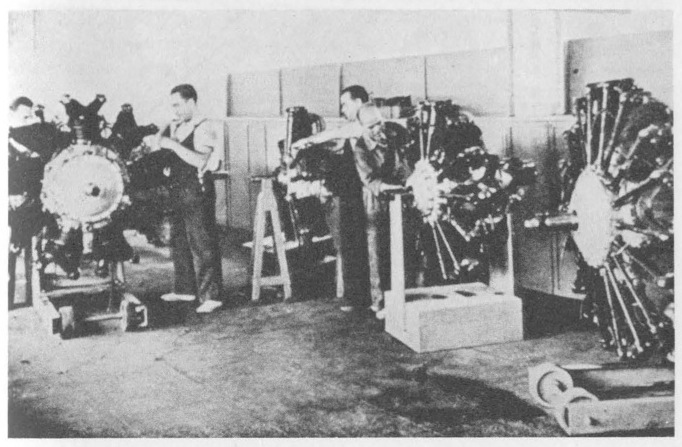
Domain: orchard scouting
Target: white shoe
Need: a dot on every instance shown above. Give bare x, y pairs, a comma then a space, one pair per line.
208, 306
172, 297
381, 314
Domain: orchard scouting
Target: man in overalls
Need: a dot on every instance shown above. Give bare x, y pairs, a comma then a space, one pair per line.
194, 234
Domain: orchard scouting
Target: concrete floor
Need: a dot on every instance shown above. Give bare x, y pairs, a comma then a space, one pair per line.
274, 369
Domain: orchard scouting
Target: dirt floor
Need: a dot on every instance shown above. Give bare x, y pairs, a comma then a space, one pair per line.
275, 369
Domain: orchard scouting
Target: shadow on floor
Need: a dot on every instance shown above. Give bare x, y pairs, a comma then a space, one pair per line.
453, 404
22, 423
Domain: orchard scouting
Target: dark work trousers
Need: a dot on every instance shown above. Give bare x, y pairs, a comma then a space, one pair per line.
194, 240
345, 218
378, 245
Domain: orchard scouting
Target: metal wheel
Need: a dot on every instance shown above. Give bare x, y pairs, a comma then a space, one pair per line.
572, 396
547, 384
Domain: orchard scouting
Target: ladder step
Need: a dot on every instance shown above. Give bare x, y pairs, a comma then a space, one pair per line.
288, 245
75, 290
273, 281
81, 282
103, 317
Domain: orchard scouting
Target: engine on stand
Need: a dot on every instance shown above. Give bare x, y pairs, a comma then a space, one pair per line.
462, 192
86, 195
617, 203
301, 181
87, 187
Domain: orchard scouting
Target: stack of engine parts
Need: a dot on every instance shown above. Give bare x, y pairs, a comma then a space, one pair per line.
86, 190
617, 191
301, 181
462, 192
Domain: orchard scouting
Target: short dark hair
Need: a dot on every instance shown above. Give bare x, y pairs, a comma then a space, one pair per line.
20, 101
186, 91
356, 92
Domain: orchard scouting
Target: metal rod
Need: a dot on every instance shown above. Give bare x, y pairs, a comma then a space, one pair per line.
603, 113
614, 322
626, 313
438, 253
608, 153
588, 144
460, 230
635, 295
287, 146
653, 273
647, 184
641, 136
660, 235
432, 127
455, 263
578, 106
421, 130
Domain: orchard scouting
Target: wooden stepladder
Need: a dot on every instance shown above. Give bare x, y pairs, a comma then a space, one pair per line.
267, 203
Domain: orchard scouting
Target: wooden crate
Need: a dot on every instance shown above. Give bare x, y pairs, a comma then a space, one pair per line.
455, 316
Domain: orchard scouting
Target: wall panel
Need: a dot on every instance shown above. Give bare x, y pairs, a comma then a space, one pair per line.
534, 250
275, 131
254, 94
239, 193
476, 80
385, 78
316, 88
647, 58
496, 134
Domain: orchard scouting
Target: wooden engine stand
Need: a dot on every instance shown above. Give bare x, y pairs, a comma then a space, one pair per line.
445, 317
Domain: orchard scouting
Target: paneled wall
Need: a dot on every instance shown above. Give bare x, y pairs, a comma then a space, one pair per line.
479, 80
645, 57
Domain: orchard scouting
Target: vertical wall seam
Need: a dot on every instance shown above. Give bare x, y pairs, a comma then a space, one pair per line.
281, 93
510, 43
228, 178
265, 148
248, 171
426, 82
560, 107
338, 97
228, 100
